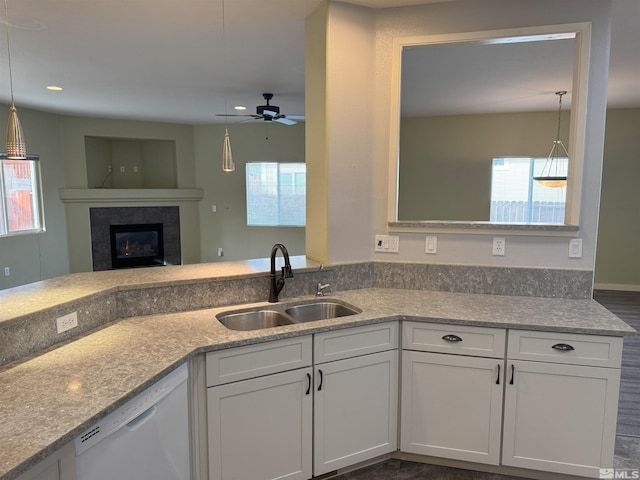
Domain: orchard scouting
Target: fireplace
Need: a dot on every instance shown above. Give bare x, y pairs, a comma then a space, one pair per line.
156, 240
136, 245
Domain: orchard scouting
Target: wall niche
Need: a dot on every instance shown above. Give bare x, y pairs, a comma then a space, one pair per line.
130, 163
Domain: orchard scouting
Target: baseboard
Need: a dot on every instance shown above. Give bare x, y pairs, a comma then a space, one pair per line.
616, 286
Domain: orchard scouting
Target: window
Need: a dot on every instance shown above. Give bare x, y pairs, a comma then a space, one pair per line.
276, 194
517, 198
21, 209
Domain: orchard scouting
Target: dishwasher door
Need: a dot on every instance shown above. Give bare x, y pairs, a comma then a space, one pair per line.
145, 439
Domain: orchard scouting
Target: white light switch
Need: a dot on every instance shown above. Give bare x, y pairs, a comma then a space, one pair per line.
431, 244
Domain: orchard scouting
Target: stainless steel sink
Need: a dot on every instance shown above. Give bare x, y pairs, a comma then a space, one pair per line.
277, 316
254, 320
320, 310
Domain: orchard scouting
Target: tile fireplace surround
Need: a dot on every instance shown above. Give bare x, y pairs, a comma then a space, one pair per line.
102, 218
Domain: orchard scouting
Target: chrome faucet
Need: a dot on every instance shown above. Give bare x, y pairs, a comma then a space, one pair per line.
321, 288
276, 285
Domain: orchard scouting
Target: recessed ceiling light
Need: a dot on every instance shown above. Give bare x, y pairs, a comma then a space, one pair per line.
239, 107
55, 88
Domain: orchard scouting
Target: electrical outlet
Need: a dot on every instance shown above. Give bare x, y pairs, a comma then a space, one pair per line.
394, 244
67, 322
575, 248
7, 271
220, 252
431, 244
499, 245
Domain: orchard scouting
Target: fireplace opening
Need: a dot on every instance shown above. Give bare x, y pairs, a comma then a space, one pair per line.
137, 245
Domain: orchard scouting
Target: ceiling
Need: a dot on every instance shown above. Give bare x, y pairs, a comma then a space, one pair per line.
167, 61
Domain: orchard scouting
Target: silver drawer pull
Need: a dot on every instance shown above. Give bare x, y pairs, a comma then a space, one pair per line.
563, 347
452, 338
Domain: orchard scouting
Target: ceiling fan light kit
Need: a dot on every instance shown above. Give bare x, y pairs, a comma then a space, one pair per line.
268, 113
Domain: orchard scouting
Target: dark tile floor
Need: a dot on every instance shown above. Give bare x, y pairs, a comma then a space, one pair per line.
627, 454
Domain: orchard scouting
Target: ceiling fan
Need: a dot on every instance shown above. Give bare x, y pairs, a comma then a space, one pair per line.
268, 113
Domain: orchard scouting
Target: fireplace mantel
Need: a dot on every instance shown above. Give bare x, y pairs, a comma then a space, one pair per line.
129, 195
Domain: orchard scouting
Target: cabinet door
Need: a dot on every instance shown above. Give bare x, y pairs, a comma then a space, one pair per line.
260, 429
451, 406
560, 418
355, 410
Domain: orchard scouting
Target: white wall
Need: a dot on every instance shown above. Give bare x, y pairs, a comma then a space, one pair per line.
343, 215
468, 16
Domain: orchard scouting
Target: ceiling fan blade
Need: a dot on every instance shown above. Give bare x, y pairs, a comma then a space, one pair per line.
284, 120
295, 117
237, 115
270, 113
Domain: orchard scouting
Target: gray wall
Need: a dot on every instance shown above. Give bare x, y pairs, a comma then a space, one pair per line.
65, 246
445, 162
227, 227
618, 253
34, 257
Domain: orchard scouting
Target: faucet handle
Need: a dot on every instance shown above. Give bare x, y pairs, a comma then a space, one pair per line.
321, 288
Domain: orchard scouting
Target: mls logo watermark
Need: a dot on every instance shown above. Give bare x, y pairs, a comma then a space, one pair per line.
613, 473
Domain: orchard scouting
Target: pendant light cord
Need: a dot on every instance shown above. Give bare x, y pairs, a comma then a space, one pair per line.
224, 60
559, 114
6, 18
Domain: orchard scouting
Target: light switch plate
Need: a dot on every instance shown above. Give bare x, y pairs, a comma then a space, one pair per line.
431, 244
387, 243
575, 248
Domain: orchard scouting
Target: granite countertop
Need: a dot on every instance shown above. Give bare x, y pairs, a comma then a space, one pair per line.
27, 299
48, 399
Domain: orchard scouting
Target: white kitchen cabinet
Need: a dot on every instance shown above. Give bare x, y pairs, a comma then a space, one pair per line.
60, 465
356, 395
561, 416
452, 403
260, 428
264, 400
355, 406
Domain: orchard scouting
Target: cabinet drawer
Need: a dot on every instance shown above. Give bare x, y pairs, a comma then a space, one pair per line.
240, 363
351, 342
570, 348
455, 339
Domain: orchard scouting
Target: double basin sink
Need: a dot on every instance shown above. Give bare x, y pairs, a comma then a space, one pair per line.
285, 314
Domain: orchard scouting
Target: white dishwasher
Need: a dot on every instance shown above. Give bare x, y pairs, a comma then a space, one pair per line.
145, 439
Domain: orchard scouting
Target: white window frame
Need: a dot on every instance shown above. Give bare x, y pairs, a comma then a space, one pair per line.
534, 167
36, 199
252, 218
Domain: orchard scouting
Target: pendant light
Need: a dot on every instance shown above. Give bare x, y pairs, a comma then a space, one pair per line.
16, 148
227, 157
550, 175
228, 164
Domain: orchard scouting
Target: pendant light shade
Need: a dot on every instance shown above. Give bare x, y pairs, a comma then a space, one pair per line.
227, 157
551, 175
16, 148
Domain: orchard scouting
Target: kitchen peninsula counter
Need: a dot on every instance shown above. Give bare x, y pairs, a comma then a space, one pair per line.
48, 398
